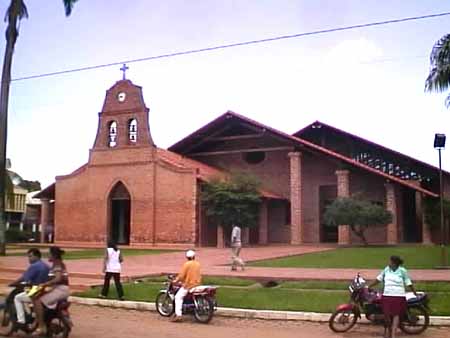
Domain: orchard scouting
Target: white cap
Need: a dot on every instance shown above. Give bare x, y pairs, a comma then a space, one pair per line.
190, 254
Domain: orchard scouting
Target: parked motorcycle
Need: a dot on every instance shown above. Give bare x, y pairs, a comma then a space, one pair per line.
366, 301
200, 301
57, 320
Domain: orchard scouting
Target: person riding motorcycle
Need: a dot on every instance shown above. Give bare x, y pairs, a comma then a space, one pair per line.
37, 273
190, 277
59, 288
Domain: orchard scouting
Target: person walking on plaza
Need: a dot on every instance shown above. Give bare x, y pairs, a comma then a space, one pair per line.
37, 273
112, 266
395, 279
189, 277
236, 246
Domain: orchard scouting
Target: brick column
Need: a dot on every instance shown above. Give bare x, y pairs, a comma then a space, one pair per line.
220, 239
263, 223
343, 190
45, 216
296, 197
245, 233
391, 205
420, 210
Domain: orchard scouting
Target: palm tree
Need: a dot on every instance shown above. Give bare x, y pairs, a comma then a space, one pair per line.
439, 78
16, 11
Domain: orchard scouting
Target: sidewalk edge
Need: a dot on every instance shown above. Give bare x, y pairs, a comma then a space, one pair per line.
237, 313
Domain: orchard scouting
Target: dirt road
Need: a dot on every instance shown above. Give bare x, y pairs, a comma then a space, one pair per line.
99, 322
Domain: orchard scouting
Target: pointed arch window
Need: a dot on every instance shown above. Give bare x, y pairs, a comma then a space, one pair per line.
132, 130
112, 134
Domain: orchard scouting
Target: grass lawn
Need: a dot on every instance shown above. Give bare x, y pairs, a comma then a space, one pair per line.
97, 253
314, 296
415, 257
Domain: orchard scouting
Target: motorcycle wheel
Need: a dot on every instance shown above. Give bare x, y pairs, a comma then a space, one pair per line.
342, 320
415, 321
57, 328
204, 310
7, 322
164, 304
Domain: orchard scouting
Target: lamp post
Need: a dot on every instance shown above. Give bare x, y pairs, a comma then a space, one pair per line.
439, 144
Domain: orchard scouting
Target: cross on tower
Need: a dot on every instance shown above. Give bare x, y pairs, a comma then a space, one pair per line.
124, 69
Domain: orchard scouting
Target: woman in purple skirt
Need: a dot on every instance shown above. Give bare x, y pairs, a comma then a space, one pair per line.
395, 279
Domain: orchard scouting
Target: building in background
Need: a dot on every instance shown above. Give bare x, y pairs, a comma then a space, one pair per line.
135, 193
21, 211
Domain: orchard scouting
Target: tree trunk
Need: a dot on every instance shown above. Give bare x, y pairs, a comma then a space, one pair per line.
11, 36
359, 231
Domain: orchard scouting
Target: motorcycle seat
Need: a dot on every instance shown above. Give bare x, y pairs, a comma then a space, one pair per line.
201, 289
412, 299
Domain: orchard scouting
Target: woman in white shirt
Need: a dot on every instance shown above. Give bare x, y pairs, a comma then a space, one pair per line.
112, 265
395, 279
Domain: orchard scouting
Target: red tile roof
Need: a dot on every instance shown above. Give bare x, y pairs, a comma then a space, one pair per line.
361, 139
308, 145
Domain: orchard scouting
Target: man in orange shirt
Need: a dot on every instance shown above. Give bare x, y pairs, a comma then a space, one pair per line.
190, 277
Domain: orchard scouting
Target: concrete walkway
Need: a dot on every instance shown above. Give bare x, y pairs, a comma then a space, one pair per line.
215, 262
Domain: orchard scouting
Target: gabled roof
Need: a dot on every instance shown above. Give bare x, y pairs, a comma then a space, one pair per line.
46, 193
205, 171
181, 146
320, 125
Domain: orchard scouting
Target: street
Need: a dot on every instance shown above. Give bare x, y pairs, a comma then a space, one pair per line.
97, 322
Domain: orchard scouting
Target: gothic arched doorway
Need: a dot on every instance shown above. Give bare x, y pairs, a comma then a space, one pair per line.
119, 214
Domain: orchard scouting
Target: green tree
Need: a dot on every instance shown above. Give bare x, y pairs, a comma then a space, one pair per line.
433, 212
356, 213
438, 79
234, 200
16, 11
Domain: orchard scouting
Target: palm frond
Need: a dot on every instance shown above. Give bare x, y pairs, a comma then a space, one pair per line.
447, 101
16, 9
438, 79
68, 6
440, 54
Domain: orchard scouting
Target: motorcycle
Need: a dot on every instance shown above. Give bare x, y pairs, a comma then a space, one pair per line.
57, 320
200, 301
366, 301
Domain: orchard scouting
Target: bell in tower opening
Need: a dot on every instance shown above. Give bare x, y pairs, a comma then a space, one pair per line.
132, 130
112, 136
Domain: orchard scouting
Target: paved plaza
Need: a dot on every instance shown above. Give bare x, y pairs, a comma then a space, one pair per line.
215, 262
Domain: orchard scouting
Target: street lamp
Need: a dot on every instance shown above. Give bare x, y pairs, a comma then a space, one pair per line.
439, 144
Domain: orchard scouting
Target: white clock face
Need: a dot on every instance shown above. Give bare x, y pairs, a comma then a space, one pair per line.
121, 96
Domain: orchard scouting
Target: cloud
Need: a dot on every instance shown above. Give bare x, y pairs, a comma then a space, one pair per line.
351, 52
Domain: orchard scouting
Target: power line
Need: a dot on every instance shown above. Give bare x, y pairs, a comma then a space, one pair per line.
237, 44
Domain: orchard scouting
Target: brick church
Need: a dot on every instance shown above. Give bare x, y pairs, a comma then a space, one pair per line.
136, 193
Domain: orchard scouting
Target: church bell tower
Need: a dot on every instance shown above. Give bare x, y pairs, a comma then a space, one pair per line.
123, 121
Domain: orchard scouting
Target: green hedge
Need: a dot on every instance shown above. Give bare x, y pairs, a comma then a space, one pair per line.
17, 236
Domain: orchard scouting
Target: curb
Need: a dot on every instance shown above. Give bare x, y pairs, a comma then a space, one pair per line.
238, 313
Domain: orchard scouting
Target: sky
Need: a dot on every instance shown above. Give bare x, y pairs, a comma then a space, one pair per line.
368, 81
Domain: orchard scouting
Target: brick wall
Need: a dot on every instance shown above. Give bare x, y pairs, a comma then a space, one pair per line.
273, 171
176, 203
317, 171
82, 203
279, 230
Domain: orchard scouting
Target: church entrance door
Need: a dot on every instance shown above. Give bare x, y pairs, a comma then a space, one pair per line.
119, 214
